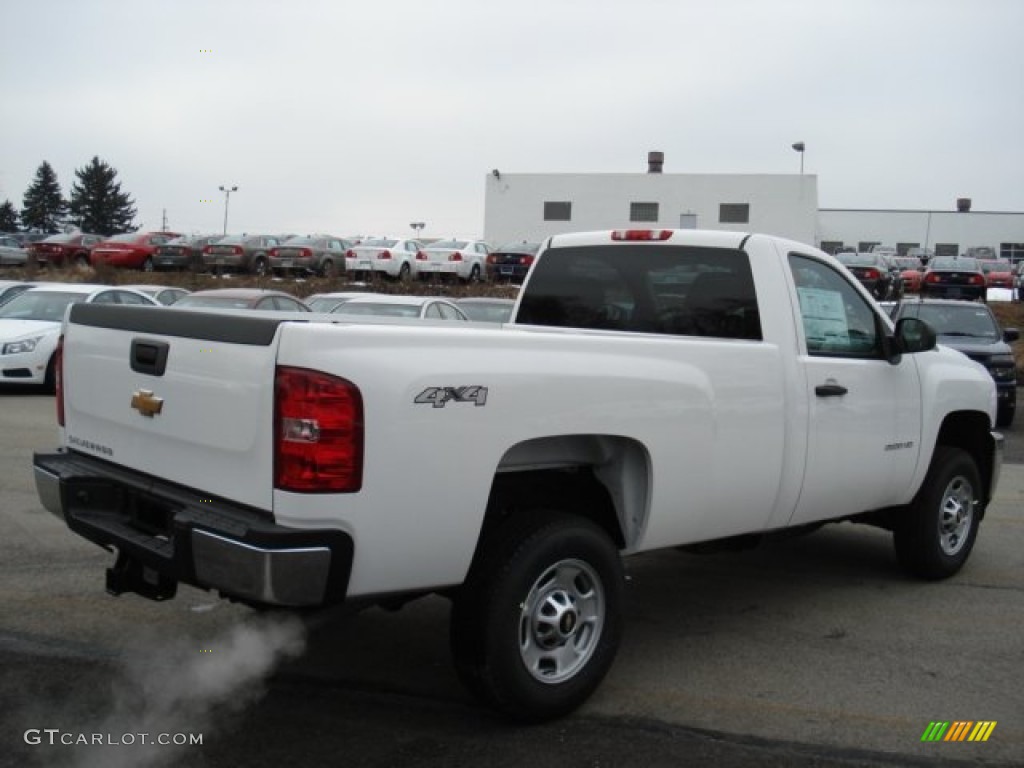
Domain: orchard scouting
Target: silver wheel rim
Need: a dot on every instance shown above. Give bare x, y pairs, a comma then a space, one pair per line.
956, 511
561, 620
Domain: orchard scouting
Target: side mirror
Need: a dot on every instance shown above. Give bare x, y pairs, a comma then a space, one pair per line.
1010, 334
914, 335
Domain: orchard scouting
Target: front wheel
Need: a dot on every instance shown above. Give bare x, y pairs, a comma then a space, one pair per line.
935, 534
537, 624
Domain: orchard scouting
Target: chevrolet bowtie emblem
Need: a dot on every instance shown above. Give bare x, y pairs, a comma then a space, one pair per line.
146, 403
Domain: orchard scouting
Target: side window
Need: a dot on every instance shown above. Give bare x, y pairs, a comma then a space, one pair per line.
124, 297
433, 312
838, 321
107, 297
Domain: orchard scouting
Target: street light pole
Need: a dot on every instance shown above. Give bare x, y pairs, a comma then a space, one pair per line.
799, 147
417, 227
227, 196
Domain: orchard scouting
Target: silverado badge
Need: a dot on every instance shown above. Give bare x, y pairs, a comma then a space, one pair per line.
146, 403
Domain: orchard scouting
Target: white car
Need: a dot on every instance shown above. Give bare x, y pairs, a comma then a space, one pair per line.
391, 256
165, 294
466, 259
30, 326
326, 302
386, 305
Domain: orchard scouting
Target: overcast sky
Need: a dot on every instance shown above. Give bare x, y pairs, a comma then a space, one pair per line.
355, 116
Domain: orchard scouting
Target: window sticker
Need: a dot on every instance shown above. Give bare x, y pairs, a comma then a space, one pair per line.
824, 318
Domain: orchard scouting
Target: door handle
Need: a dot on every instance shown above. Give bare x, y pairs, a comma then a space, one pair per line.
830, 390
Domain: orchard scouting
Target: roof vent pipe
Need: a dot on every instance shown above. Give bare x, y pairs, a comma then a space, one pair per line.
963, 204
654, 161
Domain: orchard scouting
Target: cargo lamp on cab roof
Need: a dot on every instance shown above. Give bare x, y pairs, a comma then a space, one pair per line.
641, 234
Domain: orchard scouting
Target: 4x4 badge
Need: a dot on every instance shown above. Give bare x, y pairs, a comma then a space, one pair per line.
146, 403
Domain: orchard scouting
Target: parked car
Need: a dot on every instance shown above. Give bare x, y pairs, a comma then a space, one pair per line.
132, 250
875, 272
388, 256
11, 288
11, 252
511, 262
974, 330
242, 298
183, 253
998, 273
386, 305
314, 254
241, 253
464, 259
954, 277
326, 302
911, 271
164, 294
30, 326
65, 248
487, 310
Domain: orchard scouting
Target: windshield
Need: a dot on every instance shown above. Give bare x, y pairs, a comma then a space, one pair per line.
386, 310
40, 305
969, 320
487, 311
961, 263
215, 302
449, 245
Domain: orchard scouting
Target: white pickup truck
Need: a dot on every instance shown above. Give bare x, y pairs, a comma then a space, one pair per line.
657, 388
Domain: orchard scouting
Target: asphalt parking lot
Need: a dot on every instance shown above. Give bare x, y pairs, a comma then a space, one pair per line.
810, 652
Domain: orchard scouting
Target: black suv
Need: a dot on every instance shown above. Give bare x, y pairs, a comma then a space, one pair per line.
971, 328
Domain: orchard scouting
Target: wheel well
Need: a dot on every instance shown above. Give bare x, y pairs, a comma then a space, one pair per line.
605, 478
971, 432
571, 489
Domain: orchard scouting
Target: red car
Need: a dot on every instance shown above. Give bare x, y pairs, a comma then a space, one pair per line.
998, 273
911, 272
58, 250
132, 250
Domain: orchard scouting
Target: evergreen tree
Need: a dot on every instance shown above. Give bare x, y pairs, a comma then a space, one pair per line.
44, 207
97, 203
8, 217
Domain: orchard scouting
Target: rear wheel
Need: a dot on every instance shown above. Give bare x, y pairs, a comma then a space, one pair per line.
147, 265
404, 272
328, 269
935, 534
260, 266
537, 624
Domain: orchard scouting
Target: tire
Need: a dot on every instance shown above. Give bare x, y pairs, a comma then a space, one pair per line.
82, 261
935, 534
260, 266
328, 269
537, 624
474, 274
147, 265
404, 272
1004, 416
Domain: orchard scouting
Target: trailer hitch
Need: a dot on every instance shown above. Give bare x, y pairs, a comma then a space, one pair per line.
130, 575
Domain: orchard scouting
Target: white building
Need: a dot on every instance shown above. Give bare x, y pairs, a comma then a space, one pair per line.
522, 206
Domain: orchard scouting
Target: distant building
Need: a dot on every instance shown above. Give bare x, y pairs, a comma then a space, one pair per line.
522, 206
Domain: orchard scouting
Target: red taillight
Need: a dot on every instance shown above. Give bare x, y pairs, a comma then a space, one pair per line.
455, 256
207, 249
491, 258
307, 253
526, 260
977, 280
932, 278
421, 256
641, 234
237, 250
350, 254
58, 379
871, 274
318, 426
384, 255
273, 253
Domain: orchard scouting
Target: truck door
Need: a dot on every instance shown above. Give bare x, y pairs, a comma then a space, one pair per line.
863, 434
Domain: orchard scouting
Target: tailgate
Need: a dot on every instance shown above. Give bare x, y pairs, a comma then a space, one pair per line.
181, 395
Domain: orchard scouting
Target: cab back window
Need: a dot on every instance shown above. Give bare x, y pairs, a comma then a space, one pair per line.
675, 290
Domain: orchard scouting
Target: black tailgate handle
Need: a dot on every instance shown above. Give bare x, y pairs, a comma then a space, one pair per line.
149, 356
